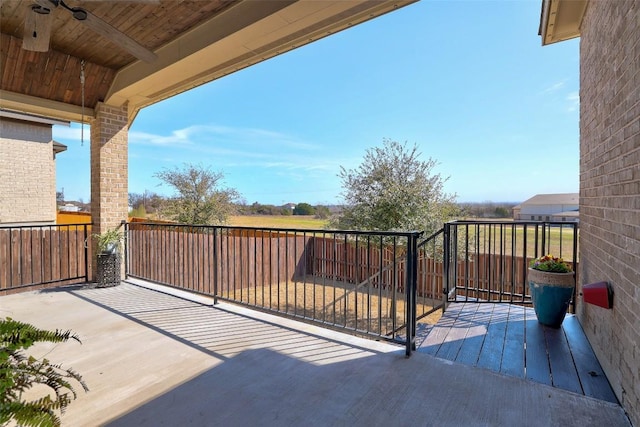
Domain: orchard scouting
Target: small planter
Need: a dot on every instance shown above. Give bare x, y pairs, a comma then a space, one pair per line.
551, 294
108, 270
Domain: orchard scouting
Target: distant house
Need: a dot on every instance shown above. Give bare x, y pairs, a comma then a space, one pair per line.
27, 169
548, 207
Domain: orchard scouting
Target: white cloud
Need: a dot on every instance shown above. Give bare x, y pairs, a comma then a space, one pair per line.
176, 138
73, 133
574, 101
554, 87
223, 136
238, 147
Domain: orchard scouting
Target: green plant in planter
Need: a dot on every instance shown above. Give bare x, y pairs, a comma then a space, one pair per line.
20, 372
110, 241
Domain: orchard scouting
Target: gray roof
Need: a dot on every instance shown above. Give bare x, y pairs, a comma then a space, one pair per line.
551, 199
567, 213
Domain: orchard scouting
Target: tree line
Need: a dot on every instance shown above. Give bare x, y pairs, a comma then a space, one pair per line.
393, 189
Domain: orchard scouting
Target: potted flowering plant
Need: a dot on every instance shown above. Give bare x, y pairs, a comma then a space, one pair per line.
551, 282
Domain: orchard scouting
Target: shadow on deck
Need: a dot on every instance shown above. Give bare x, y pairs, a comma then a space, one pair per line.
508, 339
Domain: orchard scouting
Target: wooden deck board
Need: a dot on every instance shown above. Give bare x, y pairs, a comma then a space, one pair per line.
438, 334
491, 353
563, 372
536, 356
592, 378
453, 342
508, 339
470, 350
513, 353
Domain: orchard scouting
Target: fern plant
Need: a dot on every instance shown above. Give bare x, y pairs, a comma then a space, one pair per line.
19, 372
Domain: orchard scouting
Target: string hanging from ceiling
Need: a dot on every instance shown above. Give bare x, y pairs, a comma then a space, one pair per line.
82, 90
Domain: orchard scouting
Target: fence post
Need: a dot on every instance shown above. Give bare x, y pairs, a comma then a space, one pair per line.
411, 291
126, 249
446, 259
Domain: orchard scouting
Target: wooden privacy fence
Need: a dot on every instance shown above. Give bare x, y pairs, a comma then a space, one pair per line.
43, 256
487, 277
199, 258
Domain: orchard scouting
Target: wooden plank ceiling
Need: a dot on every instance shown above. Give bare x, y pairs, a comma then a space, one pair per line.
55, 75
195, 42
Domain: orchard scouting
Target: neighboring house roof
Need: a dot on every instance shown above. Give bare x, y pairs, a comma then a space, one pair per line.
58, 147
31, 118
575, 213
551, 199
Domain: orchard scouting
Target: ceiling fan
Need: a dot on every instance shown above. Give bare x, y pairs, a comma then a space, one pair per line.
37, 29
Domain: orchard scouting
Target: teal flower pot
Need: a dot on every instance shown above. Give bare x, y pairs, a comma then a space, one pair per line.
551, 294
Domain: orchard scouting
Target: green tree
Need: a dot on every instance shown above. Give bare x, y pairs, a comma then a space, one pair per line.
323, 212
20, 372
304, 209
199, 197
393, 190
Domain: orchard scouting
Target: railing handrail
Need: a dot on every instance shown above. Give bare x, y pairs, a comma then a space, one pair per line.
284, 229
82, 224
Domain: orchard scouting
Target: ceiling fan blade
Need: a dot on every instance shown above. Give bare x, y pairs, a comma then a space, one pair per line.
37, 29
116, 36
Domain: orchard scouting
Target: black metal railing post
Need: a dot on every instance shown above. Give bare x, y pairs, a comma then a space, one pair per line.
575, 265
126, 249
86, 252
215, 265
411, 287
446, 258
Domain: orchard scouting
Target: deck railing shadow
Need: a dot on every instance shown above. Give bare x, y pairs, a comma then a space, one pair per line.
214, 330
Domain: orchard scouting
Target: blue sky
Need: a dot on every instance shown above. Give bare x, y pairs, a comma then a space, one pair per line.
468, 82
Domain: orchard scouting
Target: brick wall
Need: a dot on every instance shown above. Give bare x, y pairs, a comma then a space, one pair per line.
27, 173
610, 188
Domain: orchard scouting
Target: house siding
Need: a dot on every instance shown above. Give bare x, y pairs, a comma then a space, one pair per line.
27, 173
610, 189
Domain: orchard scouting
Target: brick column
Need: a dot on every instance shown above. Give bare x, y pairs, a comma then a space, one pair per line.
109, 169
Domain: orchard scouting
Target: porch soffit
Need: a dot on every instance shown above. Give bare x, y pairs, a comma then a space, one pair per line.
195, 42
561, 20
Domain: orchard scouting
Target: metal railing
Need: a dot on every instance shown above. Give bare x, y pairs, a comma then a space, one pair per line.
42, 255
360, 282
487, 261
377, 284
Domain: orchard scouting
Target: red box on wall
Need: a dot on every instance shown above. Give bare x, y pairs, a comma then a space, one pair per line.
600, 294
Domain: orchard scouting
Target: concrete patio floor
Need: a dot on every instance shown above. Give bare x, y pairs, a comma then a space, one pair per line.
153, 359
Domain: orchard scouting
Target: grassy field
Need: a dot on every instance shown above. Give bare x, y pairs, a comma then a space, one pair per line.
490, 240
278, 221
